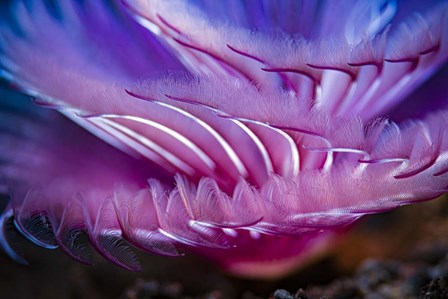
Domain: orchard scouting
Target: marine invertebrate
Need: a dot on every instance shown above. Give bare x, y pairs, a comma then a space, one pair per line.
249, 131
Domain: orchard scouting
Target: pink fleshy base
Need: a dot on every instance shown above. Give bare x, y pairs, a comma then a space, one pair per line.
269, 257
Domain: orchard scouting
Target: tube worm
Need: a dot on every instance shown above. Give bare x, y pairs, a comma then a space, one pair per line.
252, 132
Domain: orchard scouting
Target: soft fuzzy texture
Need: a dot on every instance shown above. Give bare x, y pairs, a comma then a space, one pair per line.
252, 132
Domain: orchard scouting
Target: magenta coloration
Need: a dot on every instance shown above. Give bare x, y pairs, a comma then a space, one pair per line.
252, 132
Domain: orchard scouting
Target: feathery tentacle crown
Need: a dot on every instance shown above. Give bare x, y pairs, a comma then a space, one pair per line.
249, 131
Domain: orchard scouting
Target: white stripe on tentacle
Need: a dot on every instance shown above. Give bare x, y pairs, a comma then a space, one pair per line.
286, 164
182, 164
247, 164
